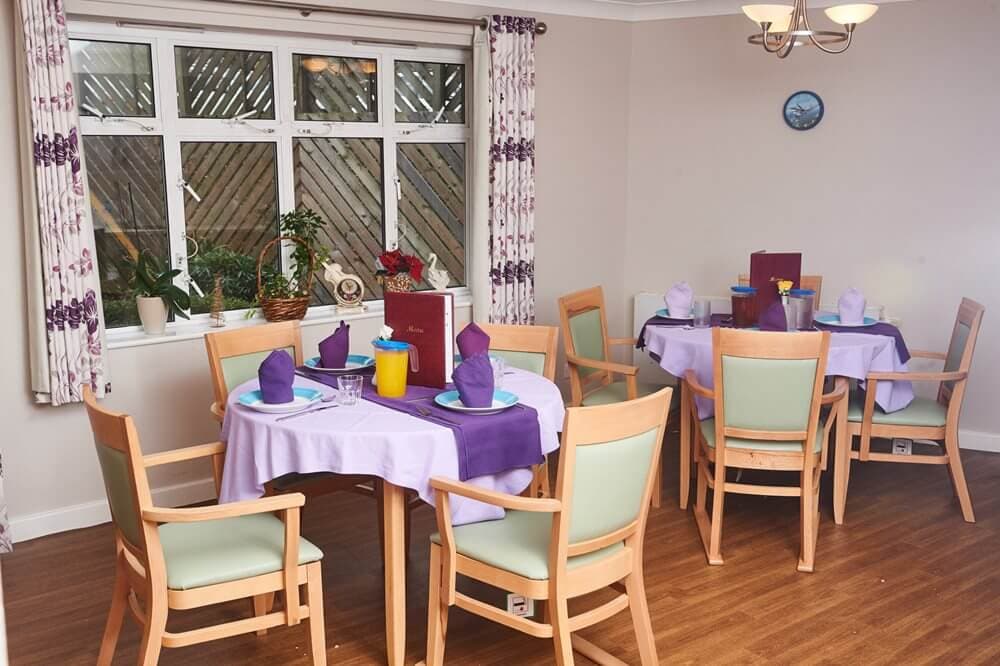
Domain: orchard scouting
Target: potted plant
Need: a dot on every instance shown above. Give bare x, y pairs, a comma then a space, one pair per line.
396, 271
285, 298
156, 295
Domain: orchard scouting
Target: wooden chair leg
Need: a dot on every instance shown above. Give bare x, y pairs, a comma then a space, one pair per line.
261, 603
317, 624
657, 495
437, 612
958, 475
809, 503
156, 625
119, 600
561, 636
718, 501
636, 590
685, 446
407, 512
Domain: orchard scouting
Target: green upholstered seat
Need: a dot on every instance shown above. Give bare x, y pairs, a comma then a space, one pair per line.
922, 412
708, 432
522, 360
618, 392
519, 543
239, 369
588, 337
219, 551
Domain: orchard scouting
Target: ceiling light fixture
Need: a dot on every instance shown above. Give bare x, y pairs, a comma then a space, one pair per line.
783, 27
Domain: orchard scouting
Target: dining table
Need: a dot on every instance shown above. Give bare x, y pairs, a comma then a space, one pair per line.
367, 438
853, 356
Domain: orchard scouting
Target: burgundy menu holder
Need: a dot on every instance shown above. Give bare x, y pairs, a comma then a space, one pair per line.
426, 321
766, 268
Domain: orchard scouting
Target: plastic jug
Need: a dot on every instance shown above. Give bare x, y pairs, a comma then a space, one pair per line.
392, 361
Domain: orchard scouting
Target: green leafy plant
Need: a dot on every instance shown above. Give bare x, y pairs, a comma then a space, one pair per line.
238, 271
306, 224
151, 280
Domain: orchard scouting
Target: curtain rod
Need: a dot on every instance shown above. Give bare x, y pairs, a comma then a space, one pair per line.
306, 9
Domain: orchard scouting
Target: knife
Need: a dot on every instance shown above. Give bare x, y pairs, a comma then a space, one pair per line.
306, 412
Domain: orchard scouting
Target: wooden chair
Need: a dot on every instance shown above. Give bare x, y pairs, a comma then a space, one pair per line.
533, 349
234, 357
178, 559
591, 372
814, 282
768, 392
924, 418
587, 538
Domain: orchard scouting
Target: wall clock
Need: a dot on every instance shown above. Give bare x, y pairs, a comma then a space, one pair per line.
804, 110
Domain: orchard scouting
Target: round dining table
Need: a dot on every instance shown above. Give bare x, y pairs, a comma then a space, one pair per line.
370, 439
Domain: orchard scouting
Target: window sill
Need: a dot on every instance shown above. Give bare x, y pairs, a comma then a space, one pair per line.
198, 327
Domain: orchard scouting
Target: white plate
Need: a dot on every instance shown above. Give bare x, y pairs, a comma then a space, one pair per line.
834, 320
355, 362
501, 400
304, 397
663, 313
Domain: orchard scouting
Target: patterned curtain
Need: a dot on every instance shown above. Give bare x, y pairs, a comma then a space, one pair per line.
65, 235
512, 169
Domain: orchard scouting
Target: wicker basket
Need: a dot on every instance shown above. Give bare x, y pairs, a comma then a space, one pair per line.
399, 282
284, 309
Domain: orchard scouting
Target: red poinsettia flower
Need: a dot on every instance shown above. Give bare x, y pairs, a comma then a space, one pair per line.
395, 262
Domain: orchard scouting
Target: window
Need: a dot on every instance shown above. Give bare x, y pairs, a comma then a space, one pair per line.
194, 146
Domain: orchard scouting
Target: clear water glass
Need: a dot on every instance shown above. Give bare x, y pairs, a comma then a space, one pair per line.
702, 311
499, 368
349, 389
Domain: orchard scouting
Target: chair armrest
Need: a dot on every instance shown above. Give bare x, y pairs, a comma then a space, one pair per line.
919, 353
919, 376
503, 500
609, 366
631, 342
840, 389
218, 411
218, 511
187, 453
696, 386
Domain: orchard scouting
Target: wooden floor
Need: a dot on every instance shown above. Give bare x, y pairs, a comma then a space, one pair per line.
905, 581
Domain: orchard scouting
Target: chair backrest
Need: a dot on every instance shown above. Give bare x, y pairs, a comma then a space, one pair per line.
768, 385
234, 356
585, 330
530, 348
124, 474
608, 459
960, 350
814, 282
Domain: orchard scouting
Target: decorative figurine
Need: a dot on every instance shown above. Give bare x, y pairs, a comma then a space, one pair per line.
436, 277
348, 290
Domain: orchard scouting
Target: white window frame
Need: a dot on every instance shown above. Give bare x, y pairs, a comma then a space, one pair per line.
281, 131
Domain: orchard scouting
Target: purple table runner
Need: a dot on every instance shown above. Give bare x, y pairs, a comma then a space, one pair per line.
718, 320
881, 328
486, 443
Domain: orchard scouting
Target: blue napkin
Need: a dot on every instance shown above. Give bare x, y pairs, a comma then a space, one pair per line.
474, 381
276, 374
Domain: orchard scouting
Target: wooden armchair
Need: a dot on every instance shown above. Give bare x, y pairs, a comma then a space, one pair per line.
189, 558
924, 418
587, 538
533, 349
768, 393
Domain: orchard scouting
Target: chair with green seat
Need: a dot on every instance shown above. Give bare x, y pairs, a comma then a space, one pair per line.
178, 559
768, 390
587, 538
925, 418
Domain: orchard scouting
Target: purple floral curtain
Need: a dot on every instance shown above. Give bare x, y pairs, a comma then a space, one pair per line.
512, 169
69, 283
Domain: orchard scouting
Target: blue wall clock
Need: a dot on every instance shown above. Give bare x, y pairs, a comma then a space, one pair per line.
804, 110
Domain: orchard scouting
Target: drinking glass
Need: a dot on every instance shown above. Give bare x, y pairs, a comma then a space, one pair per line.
350, 389
702, 310
499, 368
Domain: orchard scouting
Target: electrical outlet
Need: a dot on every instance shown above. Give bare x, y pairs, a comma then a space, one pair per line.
902, 447
520, 606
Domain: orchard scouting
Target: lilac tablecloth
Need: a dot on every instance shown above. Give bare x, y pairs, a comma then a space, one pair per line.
368, 438
852, 355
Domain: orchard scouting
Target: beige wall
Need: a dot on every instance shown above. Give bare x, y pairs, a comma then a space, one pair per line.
52, 479
895, 192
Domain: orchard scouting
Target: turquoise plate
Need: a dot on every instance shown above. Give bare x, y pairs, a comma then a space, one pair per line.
303, 398
664, 313
834, 320
355, 362
501, 400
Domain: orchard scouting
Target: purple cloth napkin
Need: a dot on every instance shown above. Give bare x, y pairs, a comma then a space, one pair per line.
486, 443
474, 380
881, 328
679, 299
774, 318
276, 374
471, 341
851, 307
333, 349
718, 321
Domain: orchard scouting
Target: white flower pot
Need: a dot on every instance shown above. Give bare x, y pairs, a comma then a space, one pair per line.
152, 314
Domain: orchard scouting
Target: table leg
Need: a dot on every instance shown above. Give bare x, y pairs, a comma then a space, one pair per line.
393, 539
841, 462
685, 444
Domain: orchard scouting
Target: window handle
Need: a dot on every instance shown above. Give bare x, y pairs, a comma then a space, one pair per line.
399, 188
184, 185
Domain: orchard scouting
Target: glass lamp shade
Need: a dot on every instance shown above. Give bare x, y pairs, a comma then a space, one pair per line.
851, 14
776, 15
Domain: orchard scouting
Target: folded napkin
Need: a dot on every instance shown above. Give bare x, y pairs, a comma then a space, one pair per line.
276, 374
474, 380
471, 341
774, 318
333, 349
851, 307
679, 300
